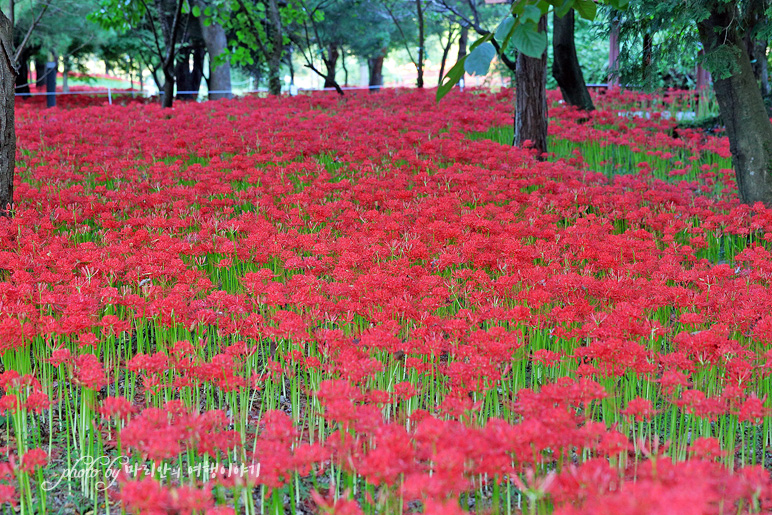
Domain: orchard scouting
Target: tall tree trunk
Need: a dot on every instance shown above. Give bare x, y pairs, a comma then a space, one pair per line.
613, 55
330, 63
7, 129
445, 52
219, 74
463, 38
741, 106
168, 96
189, 78
565, 64
67, 64
646, 59
277, 46
40, 73
531, 99
22, 78
760, 67
343, 65
375, 66
170, 25
420, 65
757, 48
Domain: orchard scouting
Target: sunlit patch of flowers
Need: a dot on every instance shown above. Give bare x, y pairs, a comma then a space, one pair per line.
365, 305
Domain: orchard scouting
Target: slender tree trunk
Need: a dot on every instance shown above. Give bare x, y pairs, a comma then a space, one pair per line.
66, 73
189, 77
7, 129
168, 96
420, 65
219, 74
463, 38
343, 65
40, 73
646, 59
741, 106
22, 78
565, 64
531, 99
375, 66
613, 55
330, 63
277, 46
757, 48
445, 52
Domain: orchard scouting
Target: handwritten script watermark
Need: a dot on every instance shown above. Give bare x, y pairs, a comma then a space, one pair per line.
105, 470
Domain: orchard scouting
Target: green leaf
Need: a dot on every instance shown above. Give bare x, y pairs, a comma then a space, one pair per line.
503, 31
529, 40
479, 60
451, 78
562, 8
586, 9
532, 13
504, 27
196, 11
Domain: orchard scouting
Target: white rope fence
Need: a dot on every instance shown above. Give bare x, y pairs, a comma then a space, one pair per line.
110, 92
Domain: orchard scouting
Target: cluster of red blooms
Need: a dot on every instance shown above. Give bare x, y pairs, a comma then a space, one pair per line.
355, 287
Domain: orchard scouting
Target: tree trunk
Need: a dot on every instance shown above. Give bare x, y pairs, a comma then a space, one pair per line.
445, 52
40, 73
741, 106
167, 100
277, 45
343, 66
22, 79
420, 65
66, 73
375, 66
463, 38
646, 59
757, 53
7, 129
219, 74
330, 64
531, 99
189, 78
760, 68
565, 64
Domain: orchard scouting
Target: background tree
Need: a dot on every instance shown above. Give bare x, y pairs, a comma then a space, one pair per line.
565, 63
162, 22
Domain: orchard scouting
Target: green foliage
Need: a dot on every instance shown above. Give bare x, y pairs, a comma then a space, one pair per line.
523, 32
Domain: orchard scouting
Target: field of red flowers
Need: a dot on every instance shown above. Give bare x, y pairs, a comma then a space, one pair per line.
376, 305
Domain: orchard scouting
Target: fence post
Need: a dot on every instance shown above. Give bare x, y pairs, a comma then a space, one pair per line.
51, 84
109, 96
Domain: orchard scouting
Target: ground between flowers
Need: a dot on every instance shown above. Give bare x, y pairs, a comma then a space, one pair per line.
376, 305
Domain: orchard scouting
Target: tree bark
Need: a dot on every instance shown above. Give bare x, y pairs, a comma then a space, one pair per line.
219, 74
445, 52
420, 65
375, 66
40, 73
565, 64
531, 100
189, 78
330, 63
22, 78
168, 96
7, 128
463, 38
741, 106
646, 59
277, 46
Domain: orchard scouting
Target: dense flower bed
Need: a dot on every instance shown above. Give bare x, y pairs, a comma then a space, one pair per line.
366, 305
